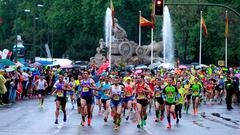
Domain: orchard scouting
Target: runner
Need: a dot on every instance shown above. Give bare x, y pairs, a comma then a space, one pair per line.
78, 92
187, 96
171, 93
159, 102
141, 95
41, 85
128, 96
72, 91
196, 91
116, 101
98, 94
87, 86
180, 101
61, 98
219, 91
105, 97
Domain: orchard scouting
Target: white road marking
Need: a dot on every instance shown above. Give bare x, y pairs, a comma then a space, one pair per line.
148, 132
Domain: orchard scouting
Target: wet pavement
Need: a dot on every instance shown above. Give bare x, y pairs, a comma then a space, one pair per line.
27, 118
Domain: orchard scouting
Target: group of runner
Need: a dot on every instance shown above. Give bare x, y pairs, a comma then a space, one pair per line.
120, 95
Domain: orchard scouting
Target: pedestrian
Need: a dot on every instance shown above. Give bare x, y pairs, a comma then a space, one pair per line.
7, 84
3, 88
230, 91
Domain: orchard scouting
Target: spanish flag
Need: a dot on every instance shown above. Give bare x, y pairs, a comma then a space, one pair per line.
226, 27
113, 13
204, 27
144, 22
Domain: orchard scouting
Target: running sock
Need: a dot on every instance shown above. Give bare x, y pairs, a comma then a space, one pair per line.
64, 117
187, 107
145, 117
157, 113
162, 112
83, 118
89, 121
42, 101
180, 114
169, 119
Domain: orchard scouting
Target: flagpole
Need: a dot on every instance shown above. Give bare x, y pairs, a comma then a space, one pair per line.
226, 41
139, 42
152, 45
110, 46
200, 46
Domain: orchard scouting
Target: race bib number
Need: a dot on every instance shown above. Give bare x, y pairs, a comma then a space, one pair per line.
116, 97
141, 97
105, 92
85, 89
170, 95
158, 94
128, 94
60, 94
195, 92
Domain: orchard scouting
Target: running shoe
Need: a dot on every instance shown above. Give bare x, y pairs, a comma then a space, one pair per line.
56, 121
83, 123
64, 118
116, 127
177, 121
169, 126
161, 118
127, 118
105, 119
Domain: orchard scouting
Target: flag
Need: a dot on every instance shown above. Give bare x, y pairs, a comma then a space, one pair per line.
144, 22
204, 27
9, 54
226, 27
113, 13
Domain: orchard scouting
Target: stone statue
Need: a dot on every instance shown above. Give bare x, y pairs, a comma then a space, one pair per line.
119, 32
127, 52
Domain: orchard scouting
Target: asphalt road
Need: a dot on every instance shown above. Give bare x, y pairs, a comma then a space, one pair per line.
27, 118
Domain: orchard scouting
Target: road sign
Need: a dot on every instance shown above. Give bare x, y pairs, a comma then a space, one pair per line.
221, 63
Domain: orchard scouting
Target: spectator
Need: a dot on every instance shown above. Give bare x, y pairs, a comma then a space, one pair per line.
3, 89
24, 84
7, 84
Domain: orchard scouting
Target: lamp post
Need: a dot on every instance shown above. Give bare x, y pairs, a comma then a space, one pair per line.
34, 26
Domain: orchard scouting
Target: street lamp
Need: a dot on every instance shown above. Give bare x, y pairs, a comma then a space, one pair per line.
40, 5
34, 26
27, 10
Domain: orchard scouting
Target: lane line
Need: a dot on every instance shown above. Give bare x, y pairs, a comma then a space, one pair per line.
148, 131
60, 126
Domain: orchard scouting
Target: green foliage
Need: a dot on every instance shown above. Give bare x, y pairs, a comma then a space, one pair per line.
75, 26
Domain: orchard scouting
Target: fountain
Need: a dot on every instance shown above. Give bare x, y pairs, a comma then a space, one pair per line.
108, 32
122, 50
108, 26
168, 44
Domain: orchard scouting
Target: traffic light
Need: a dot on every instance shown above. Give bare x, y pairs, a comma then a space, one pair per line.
104, 51
159, 4
176, 53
